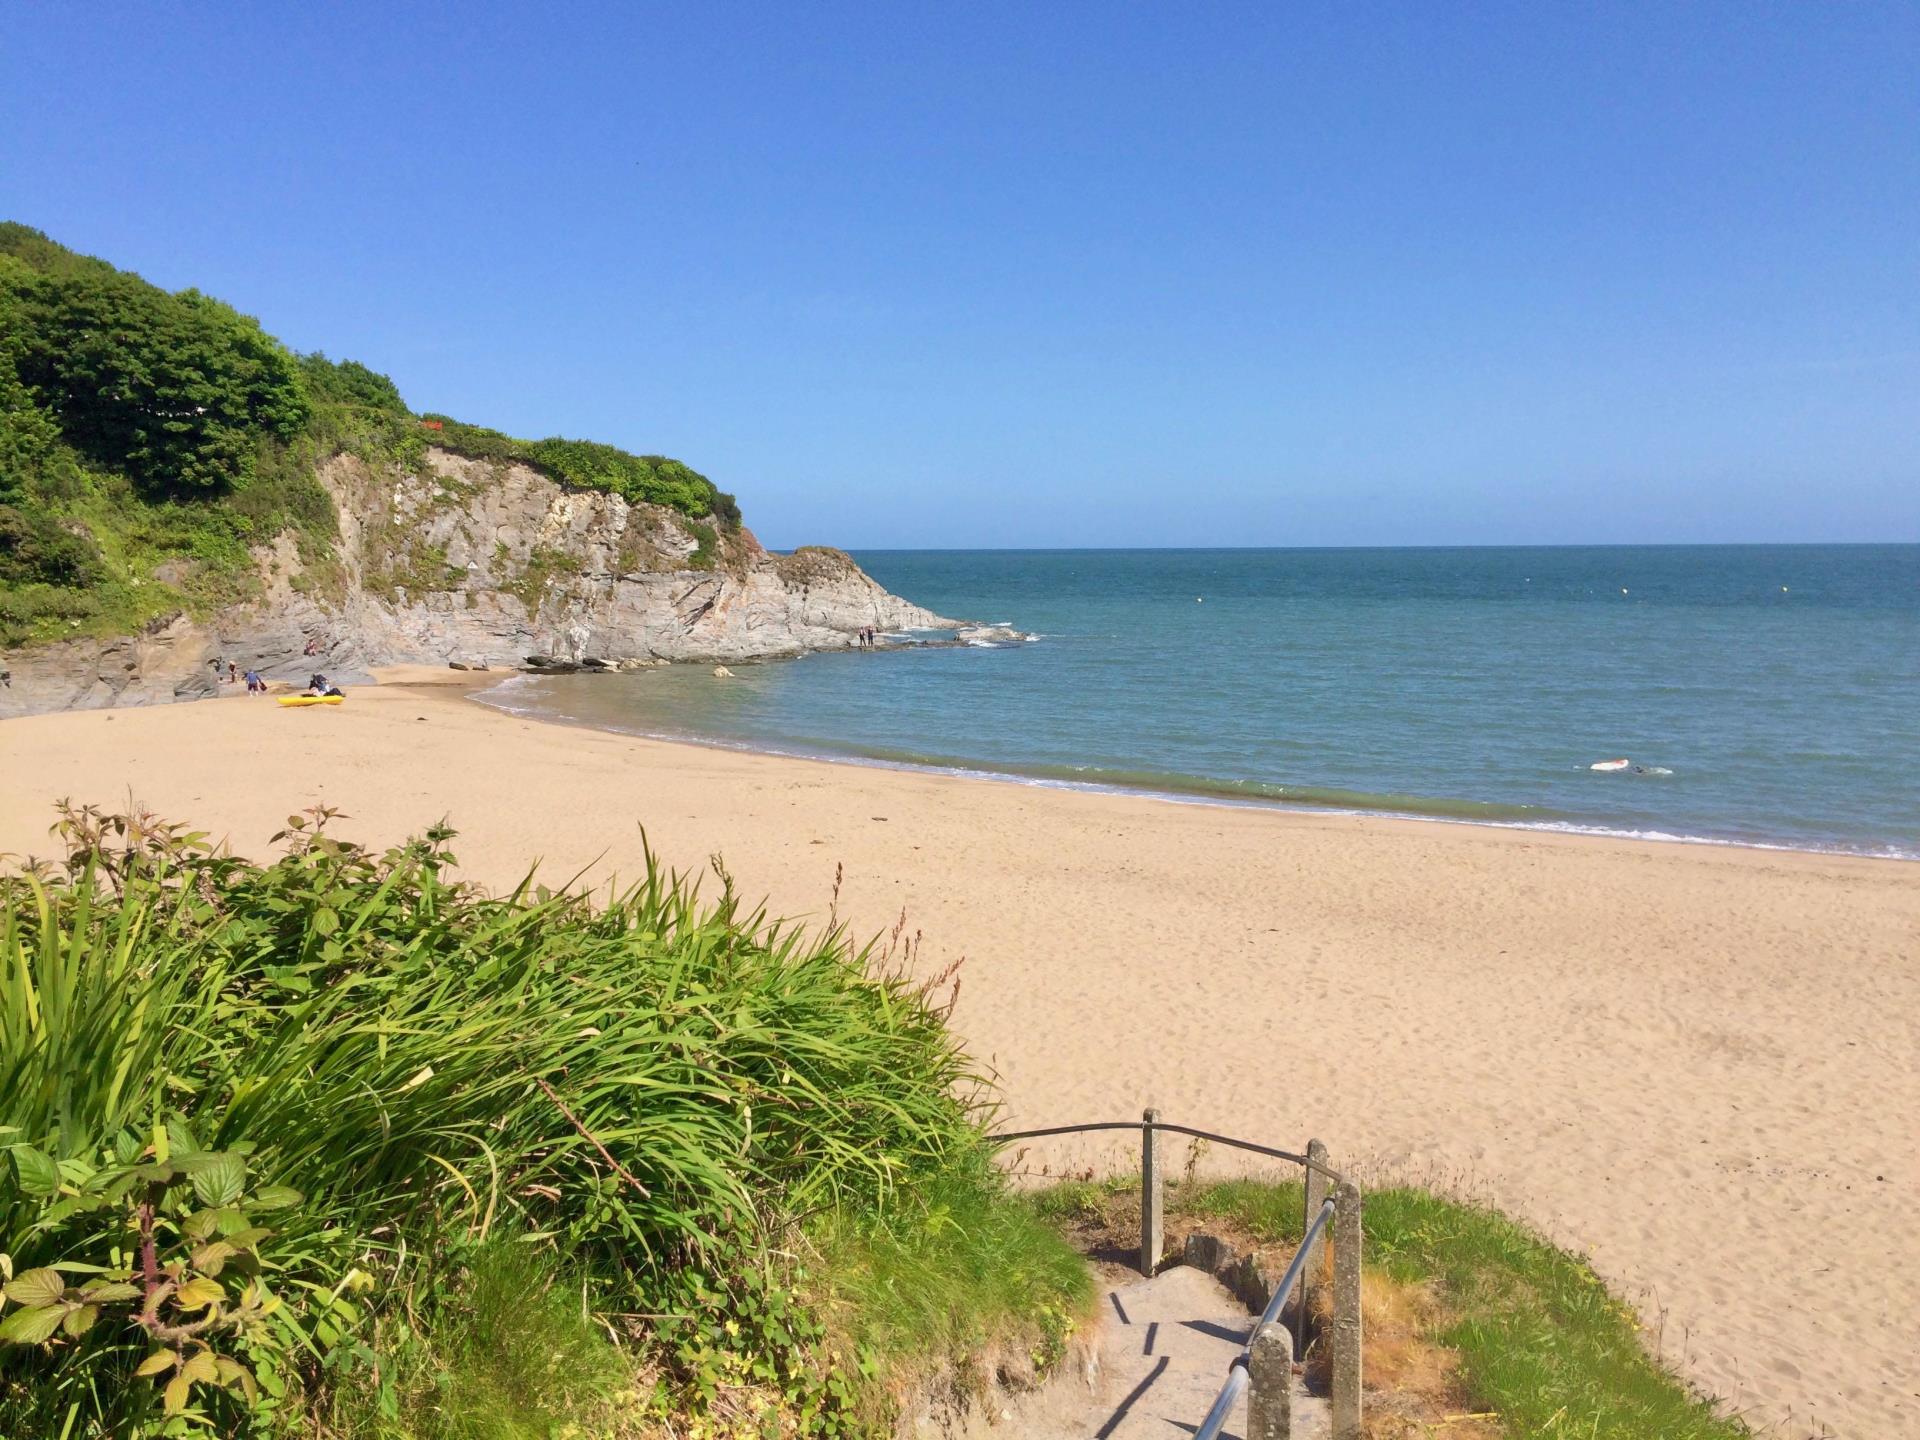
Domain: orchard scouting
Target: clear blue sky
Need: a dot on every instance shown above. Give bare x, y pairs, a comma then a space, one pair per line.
1051, 274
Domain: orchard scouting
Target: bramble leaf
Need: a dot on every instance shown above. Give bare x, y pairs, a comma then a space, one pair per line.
221, 1182
211, 1258
37, 1287
103, 1290
201, 1367
232, 1373
181, 1140
199, 1293
156, 1362
30, 1327
175, 1398
38, 1175
276, 1197
80, 1319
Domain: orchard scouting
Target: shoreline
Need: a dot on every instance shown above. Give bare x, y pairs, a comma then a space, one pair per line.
1199, 796
1679, 1060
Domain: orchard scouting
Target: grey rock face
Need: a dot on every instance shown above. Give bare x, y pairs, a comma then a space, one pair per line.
484, 563
170, 661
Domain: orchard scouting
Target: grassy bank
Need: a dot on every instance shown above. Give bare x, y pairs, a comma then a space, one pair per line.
338, 1146
1521, 1338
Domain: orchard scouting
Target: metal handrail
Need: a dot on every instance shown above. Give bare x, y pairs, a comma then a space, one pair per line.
1239, 1372
1236, 1380
1138, 1125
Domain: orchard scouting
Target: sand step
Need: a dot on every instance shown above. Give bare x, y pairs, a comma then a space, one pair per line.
1164, 1348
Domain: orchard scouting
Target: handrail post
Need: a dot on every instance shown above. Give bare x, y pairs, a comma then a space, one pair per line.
1152, 1236
1345, 1380
1270, 1375
1310, 1281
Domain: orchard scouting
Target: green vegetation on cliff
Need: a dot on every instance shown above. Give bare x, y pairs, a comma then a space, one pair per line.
149, 440
336, 1146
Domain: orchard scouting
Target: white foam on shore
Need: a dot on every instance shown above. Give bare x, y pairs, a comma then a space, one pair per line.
1097, 787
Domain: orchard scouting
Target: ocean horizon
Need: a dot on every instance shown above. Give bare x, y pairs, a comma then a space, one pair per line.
1761, 695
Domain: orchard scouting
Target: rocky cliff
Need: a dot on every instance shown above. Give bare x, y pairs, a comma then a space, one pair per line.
483, 563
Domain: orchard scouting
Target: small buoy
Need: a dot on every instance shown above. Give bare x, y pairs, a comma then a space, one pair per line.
1623, 589
1199, 599
1783, 589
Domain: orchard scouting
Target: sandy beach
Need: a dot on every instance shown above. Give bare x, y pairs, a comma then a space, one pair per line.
1695, 1064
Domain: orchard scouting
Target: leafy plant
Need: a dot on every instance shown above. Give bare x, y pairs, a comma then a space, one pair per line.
664, 1093
193, 1286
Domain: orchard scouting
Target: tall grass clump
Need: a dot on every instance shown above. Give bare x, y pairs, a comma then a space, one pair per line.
290, 1145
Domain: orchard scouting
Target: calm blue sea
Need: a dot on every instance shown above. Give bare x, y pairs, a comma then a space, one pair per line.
1771, 693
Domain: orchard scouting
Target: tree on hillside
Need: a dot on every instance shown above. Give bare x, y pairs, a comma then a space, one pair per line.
348, 382
176, 390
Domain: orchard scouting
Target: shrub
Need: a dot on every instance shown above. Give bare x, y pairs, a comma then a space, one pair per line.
348, 382
657, 1093
177, 390
37, 549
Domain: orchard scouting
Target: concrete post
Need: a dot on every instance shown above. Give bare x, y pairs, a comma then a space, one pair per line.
1270, 1393
1347, 1242
1310, 1280
1152, 1197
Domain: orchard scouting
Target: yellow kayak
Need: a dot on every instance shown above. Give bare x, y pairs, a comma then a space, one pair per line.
311, 699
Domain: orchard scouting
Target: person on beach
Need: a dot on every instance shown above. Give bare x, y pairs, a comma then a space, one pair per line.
233, 673
313, 645
255, 685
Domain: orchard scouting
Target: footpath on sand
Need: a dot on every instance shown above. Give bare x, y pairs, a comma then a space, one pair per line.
1162, 1351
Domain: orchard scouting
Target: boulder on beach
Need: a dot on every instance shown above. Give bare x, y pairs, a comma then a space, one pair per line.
720, 672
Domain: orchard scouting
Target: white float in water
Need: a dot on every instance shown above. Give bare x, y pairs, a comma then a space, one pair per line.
1609, 765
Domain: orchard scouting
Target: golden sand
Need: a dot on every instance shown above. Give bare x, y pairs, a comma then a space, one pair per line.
1698, 1065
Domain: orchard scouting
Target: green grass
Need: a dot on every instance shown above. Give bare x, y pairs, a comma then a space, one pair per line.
962, 1271
1540, 1339
668, 1101
498, 1344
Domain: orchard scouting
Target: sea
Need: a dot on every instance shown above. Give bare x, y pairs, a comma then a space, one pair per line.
1762, 695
